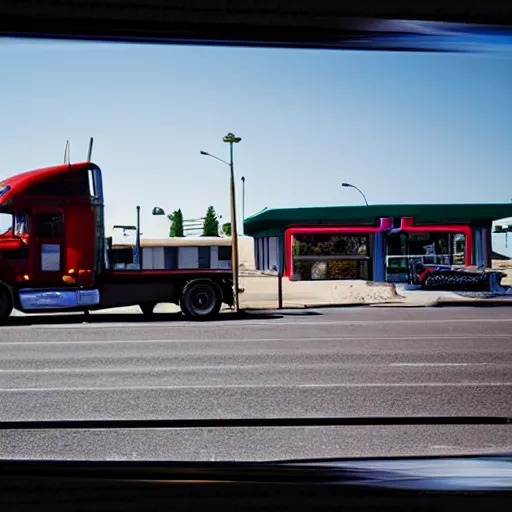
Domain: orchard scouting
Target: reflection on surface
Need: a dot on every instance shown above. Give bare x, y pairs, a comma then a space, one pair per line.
331, 257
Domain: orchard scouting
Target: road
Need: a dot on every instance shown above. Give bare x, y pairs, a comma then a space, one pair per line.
340, 362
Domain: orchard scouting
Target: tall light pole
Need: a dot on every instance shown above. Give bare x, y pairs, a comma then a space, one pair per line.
243, 203
137, 240
231, 139
353, 186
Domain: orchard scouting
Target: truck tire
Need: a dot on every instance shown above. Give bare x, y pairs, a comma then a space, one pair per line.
201, 299
147, 308
6, 305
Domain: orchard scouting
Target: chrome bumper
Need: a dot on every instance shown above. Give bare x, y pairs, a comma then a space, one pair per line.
32, 299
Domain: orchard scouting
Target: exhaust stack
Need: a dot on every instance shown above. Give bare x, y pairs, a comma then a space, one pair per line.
66, 153
89, 153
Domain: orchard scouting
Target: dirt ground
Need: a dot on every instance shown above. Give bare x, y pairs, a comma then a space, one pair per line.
504, 266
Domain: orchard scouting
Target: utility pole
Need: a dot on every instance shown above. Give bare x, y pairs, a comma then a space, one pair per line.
231, 139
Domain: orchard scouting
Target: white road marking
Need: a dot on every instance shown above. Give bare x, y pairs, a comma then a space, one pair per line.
415, 365
271, 386
262, 340
321, 322
241, 323
243, 367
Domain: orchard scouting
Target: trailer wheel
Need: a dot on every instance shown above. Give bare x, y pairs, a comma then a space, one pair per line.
6, 305
147, 308
201, 299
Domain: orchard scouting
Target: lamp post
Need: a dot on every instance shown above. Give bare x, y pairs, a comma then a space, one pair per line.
353, 186
231, 139
243, 203
137, 240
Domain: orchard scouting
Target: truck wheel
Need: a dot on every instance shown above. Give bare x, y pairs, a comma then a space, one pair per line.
201, 299
147, 308
6, 305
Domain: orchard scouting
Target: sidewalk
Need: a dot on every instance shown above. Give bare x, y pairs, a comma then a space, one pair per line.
261, 292
423, 298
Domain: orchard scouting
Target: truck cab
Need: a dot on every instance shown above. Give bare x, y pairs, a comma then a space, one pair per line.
54, 255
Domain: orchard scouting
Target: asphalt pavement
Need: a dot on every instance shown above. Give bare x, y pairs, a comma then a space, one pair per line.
339, 362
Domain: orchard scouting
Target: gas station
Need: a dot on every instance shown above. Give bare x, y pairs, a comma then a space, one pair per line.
375, 242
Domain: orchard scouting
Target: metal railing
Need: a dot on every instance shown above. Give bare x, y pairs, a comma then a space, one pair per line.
428, 259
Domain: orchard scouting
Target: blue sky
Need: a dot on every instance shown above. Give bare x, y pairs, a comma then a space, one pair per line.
404, 127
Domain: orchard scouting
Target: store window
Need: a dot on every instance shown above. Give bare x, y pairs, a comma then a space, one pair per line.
424, 247
331, 257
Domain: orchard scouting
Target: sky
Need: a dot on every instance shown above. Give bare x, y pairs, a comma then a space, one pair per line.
403, 127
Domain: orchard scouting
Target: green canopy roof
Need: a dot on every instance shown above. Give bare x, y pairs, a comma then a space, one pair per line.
270, 222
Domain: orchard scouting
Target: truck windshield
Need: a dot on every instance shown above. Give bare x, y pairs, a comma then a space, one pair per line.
4, 189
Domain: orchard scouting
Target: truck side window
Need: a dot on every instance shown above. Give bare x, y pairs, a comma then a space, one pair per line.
49, 225
20, 225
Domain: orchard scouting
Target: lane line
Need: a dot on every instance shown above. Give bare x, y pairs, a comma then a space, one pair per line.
261, 340
238, 323
416, 365
242, 367
259, 387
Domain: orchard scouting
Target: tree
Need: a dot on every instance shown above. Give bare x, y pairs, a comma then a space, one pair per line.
211, 223
176, 229
226, 228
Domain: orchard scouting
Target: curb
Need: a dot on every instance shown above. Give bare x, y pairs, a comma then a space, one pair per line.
323, 306
347, 305
283, 312
402, 304
440, 303
437, 303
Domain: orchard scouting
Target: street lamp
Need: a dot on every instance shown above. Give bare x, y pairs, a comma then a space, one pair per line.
231, 139
353, 186
158, 211
216, 157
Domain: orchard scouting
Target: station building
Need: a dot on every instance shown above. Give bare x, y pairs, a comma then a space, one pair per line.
375, 242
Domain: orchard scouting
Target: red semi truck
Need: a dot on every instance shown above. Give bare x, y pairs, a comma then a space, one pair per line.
54, 255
